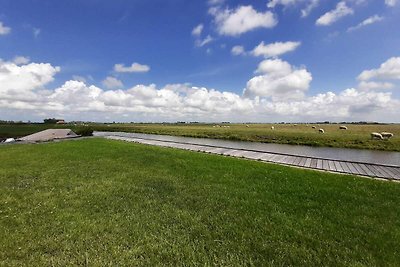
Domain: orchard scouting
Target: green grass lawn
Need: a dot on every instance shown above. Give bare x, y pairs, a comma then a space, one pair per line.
109, 203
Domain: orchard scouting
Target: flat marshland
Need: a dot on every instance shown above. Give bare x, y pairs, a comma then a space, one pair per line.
102, 202
357, 136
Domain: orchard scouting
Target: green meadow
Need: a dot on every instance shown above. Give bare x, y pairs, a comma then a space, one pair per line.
357, 136
98, 202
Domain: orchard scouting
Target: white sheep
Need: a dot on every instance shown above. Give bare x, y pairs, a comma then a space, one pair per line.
272, 128
247, 126
314, 127
342, 127
387, 135
376, 136
321, 130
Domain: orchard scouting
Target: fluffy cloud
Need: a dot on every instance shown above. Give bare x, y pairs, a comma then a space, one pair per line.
20, 60
241, 20
279, 80
273, 3
334, 15
197, 30
369, 106
274, 49
308, 5
203, 42
375, 85
391, 3
368, 21
3, 29
307, 10
215, 2
279, 94
238, 50
388, 70
20, 82
112, 82
135, 67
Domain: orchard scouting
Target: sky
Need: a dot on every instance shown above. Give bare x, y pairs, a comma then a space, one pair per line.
203, 60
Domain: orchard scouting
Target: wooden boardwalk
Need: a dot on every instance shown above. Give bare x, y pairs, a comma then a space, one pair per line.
389, 172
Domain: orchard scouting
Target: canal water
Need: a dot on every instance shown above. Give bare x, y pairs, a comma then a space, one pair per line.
347, 154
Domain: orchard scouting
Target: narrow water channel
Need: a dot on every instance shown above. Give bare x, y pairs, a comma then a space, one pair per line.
347, 154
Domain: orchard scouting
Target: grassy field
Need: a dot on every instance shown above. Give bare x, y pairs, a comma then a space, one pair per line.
357, 136
105, 203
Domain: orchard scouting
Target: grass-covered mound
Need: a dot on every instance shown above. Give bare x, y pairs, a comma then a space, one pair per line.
102, 202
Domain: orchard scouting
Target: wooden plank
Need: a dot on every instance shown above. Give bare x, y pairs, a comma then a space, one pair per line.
302, 161
228, 152
313, 163
282, 160
352, 168
345, 168
308, 163
274, 157
331, 165
387, 174
219, 150
292, 160
252, 155
359, 169
376, 171
395, 170
325, 165
297, 161
388, 171
286, 159
338, 167
319, 164
266, 156
367, 170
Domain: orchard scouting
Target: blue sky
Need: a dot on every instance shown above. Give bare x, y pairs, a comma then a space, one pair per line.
180, 73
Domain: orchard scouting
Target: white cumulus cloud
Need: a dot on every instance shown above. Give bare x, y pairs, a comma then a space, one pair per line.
238, 50
391, 3
202, 42
390, 69
4, 29
135, 67
334, 15
112, 82
363, 85
280, 92
274, 49
279, 81
307, 10
19, 82
241, 20
368, 21
20, 60
198, 30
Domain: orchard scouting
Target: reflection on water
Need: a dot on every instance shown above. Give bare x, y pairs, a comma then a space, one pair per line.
368, 156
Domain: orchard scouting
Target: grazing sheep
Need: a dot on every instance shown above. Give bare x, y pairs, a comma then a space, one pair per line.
376, 136
314, 127
387, 135
272, 128
321, 130
342, 127
247, 126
